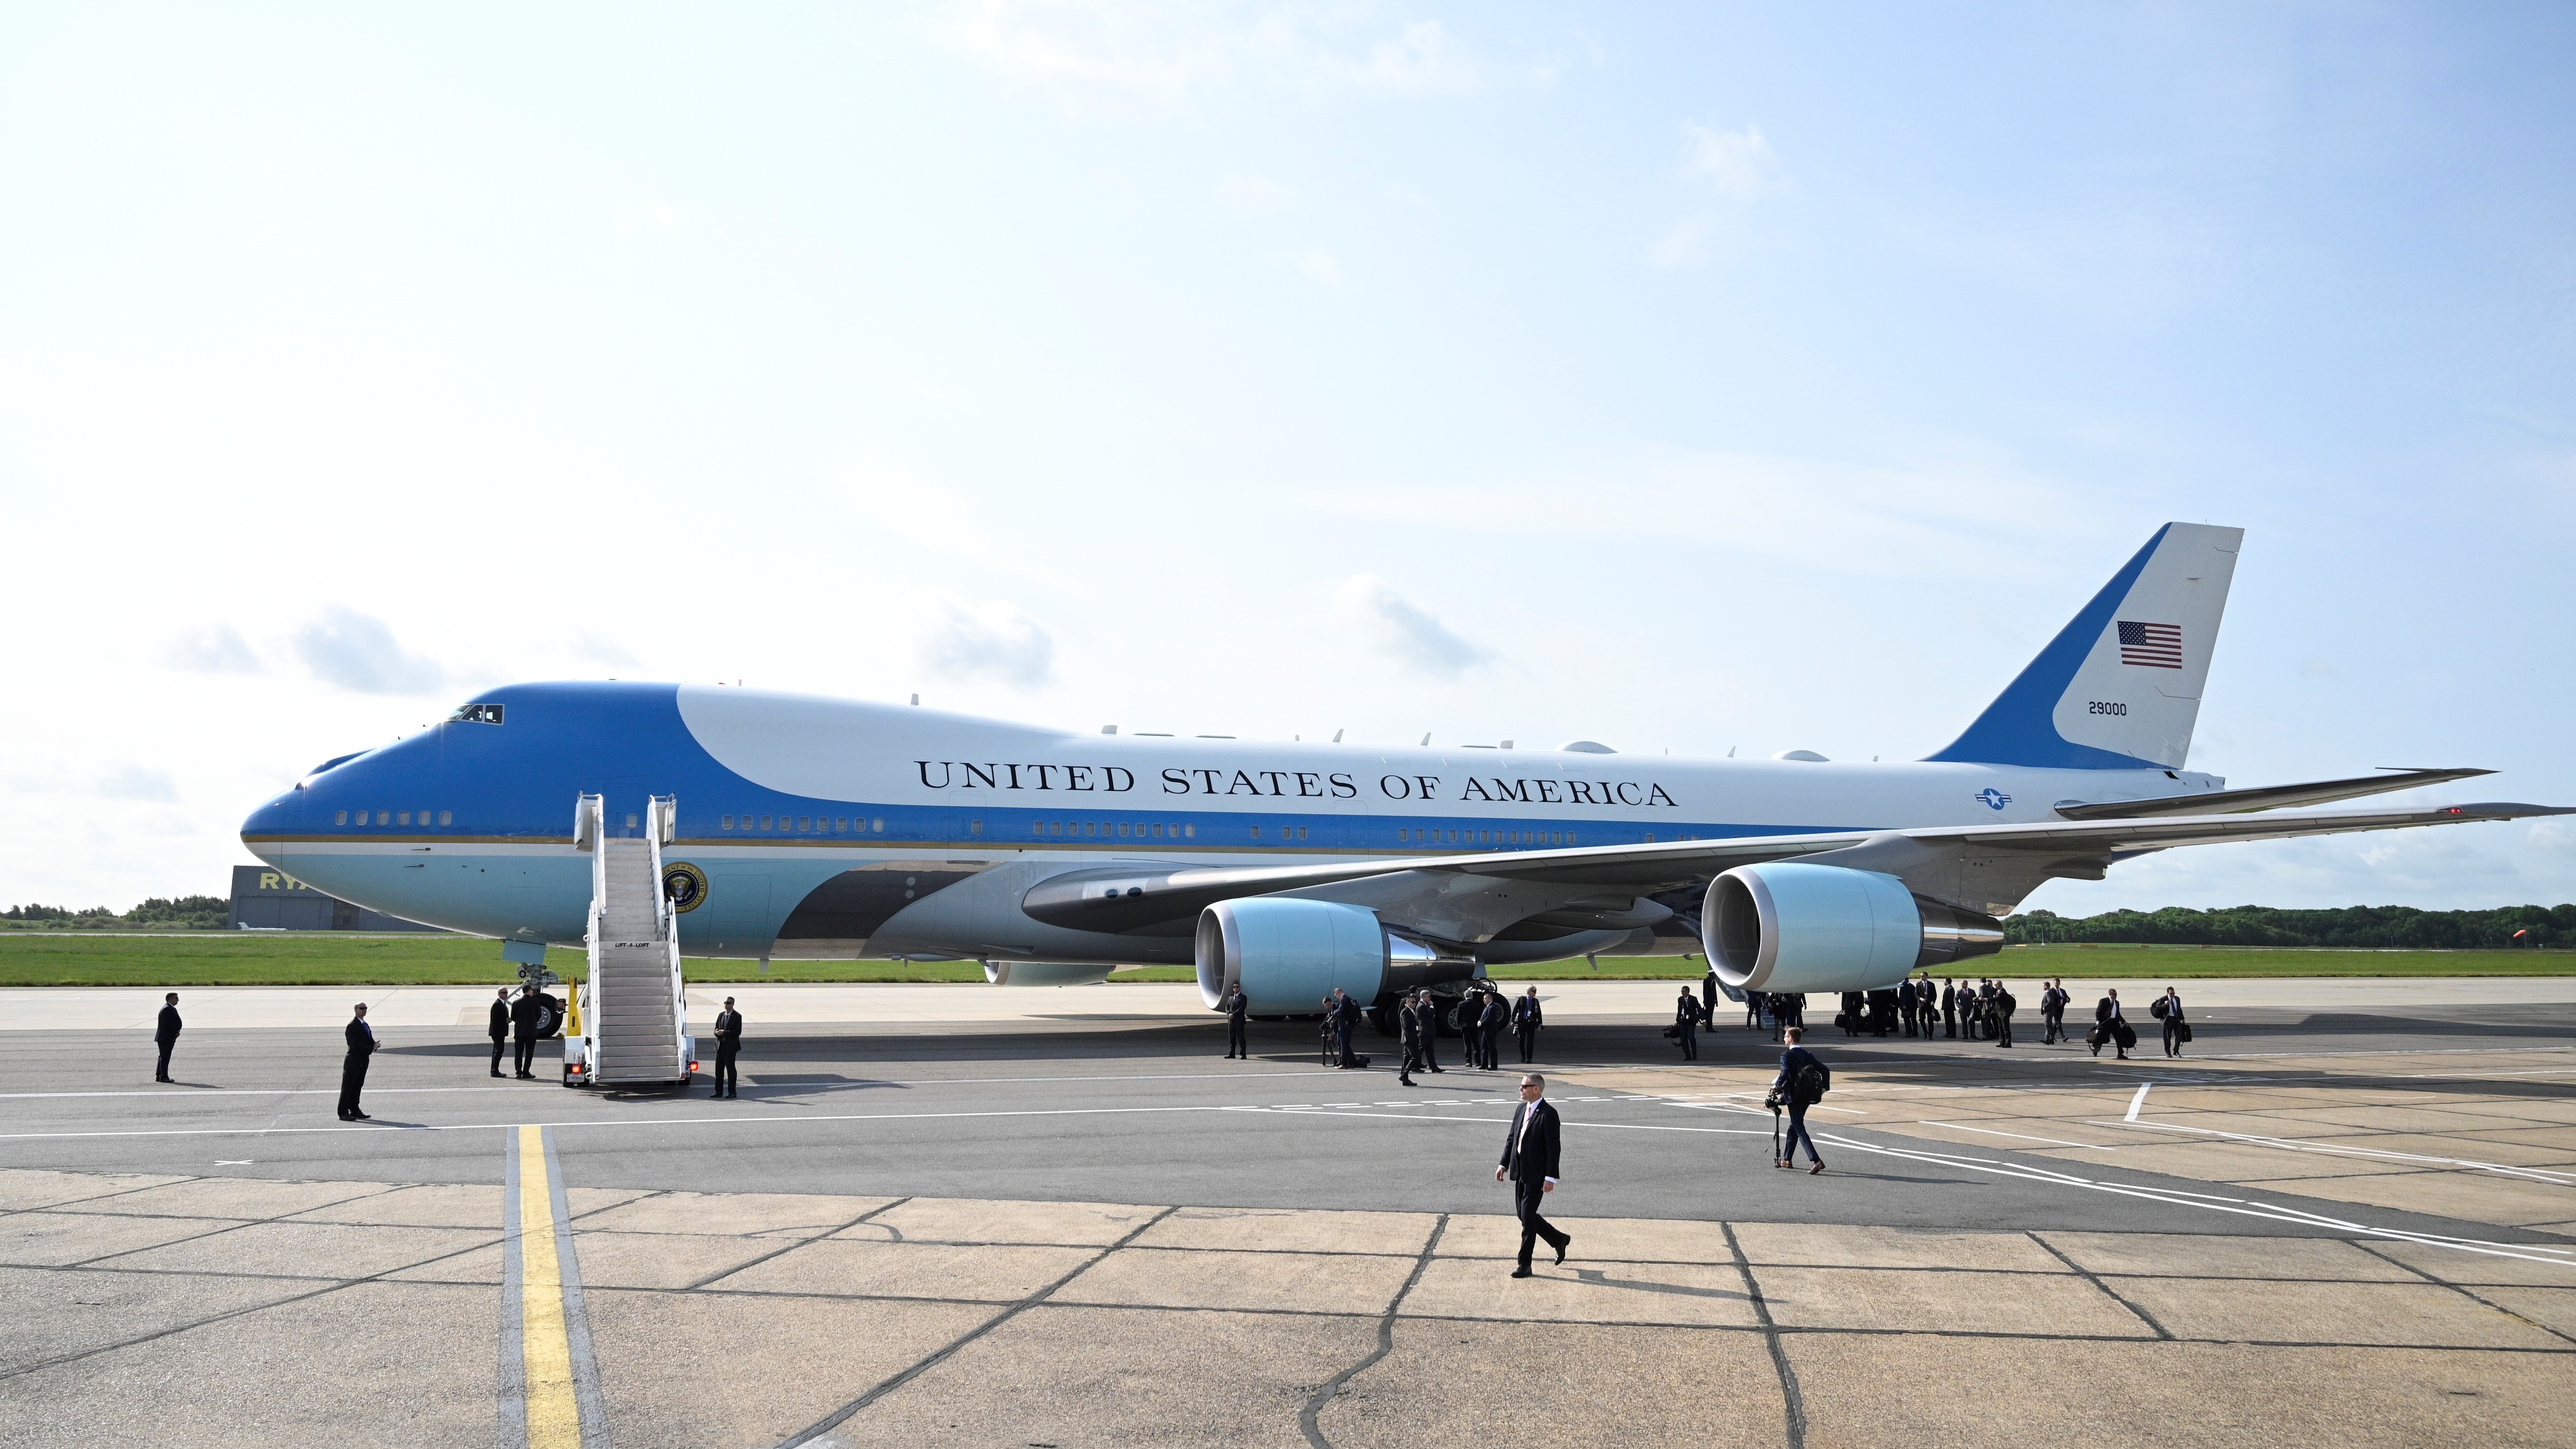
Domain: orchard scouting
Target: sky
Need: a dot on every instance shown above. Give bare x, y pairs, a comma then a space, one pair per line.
1684, 377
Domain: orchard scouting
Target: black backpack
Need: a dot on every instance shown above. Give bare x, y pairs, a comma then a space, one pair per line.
2157, 1009
1811, 1084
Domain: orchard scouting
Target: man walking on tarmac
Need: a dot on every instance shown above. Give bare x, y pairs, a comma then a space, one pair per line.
1802, 1083
1527, 1017
1530, 1156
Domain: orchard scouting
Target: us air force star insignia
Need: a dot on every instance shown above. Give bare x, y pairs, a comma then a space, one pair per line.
1994, 799
685, 884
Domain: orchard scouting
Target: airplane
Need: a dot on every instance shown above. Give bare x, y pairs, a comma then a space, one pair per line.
799, 827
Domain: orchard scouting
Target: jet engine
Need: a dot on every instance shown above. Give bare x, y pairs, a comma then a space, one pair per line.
1788, 926
1289, 954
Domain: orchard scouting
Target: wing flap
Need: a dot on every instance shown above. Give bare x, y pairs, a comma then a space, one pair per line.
2268, 797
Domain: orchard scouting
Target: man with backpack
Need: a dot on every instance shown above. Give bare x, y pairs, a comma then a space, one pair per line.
2168, 1009
1802, 1083
2003, 1006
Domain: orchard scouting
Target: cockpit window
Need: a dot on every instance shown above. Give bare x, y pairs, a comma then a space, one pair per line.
476, 714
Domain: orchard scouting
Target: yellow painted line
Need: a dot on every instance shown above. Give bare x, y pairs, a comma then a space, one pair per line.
554, 1415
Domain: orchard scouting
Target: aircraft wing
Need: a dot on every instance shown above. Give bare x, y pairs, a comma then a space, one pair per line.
1985, 868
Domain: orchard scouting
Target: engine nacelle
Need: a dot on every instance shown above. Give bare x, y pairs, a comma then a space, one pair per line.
1789, 926
1289, 954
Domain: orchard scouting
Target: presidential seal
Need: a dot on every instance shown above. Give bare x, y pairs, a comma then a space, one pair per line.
685, 884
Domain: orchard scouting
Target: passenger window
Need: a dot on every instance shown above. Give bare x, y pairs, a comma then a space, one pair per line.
630, 822
402, 818
725, 823
877, 825
1256, 832
974, 827
1301, 832
840, 823
1191, 831
1158, 830
446, 817
802, 822
340, 818
384, 817
1037, 827
764, 822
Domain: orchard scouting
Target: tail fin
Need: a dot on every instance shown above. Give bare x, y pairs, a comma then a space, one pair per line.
2119, 687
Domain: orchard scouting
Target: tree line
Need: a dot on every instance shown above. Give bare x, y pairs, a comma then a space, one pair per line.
160, 913
2351, 927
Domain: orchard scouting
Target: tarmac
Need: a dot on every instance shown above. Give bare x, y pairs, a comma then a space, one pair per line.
1042, 1222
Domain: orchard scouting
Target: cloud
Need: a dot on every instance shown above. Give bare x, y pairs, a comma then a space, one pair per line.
1404, 633
1320, 266
1255, 195
358, 653
1686, 245
219, 650
992, 640
134, 782
1736, 163
1165, 51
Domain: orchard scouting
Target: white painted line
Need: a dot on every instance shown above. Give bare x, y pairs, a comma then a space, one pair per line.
2138, 1101
758, 1086
2024, 1136
2545, 1175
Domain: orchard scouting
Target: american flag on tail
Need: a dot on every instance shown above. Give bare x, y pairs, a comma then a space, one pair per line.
2158, 646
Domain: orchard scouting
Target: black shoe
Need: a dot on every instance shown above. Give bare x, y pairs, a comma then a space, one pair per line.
1521, 1272
1439, 1069
1561, 1247
345, 1117
360, 1117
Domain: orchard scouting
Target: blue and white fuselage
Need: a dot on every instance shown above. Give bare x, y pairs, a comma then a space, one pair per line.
831, 828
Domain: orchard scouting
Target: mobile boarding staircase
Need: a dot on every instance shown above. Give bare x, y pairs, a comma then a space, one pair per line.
634, 1007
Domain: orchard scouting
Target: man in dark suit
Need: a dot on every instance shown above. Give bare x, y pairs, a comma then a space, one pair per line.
353, 1067
1496, 1017
165, 1035
728, 1046
523, 1029
499, 1027
1686, 1025
1905, 1004
2106, 1017
1238, 1042
1530, 1162
2171, 1015
2003, 1005
2052, 1013
1949, 1008
1527, 1019
1412, 1019
1708, 998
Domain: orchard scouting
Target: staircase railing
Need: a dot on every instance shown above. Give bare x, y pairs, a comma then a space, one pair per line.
664, 821
588, 821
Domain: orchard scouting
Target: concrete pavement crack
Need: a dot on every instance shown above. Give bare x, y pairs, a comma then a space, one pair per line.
837, 1417
1307, 1417
1792, 1402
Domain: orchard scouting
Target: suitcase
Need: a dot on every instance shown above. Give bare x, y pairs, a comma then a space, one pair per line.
2096, 1037
2128, 1036
2182, 1029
